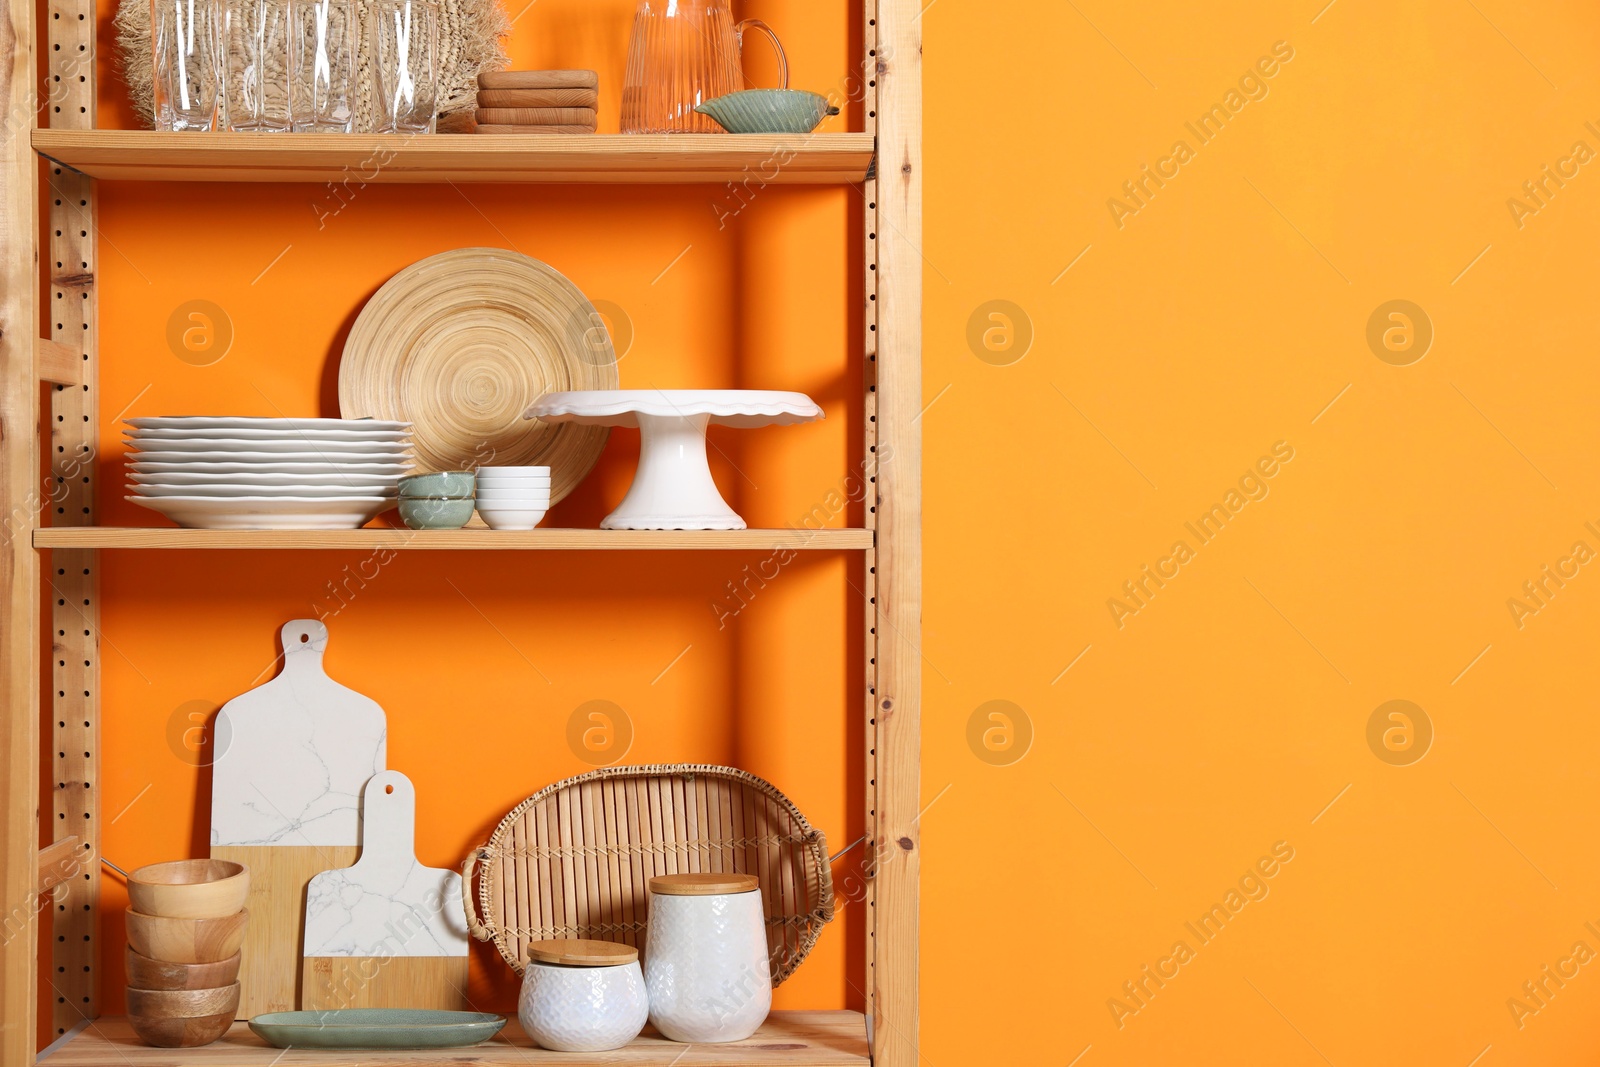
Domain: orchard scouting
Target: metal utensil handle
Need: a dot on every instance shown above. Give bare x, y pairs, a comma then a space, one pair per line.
777, 46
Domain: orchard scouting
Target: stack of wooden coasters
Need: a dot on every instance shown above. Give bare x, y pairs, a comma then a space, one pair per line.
537, 101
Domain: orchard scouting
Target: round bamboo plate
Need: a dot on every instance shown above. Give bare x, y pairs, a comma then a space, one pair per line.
575, 859
459, 344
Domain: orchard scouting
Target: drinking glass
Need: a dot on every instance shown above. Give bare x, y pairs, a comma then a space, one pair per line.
322, 65
183, 44
255, 64
404, 51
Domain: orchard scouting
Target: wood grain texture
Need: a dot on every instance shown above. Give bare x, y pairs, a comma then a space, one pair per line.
142, 972
19, 565
539, 98
438, 982
504, 129
161, 937
181, 1033
539, 79
58, 862
270, 970
58, 363
73, 576
460, 343
149, 155
582, 952
859, 882
898, 226
538, 116
182, 1003
786, 1039
482, 540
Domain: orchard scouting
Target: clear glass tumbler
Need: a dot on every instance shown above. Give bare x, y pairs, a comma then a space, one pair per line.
255, 65
184, 43
322, 65
404, 57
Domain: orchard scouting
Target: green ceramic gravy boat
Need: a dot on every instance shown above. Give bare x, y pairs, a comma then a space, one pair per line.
769, 111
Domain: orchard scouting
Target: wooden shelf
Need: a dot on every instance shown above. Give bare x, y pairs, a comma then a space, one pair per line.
366, 158
470, 539
787, 1039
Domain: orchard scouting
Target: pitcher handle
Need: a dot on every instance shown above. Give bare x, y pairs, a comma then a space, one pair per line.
777, 46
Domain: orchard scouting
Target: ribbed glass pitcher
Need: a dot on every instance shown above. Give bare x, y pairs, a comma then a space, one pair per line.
683, 53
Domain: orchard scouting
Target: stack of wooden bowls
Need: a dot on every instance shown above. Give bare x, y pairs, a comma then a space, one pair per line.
537, 101
185, 925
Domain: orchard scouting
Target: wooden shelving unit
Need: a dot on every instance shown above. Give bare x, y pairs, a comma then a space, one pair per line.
49, 420
146, 155
788, 1039
455, 540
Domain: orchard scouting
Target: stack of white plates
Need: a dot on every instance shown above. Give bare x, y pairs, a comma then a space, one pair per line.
267, 474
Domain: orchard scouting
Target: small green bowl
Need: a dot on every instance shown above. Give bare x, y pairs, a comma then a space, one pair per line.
769, 111
435, 513
453, 485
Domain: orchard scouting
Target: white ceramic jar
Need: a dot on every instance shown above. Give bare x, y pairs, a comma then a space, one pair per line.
582, 996
705, 959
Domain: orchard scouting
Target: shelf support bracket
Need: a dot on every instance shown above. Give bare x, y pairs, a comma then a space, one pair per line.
58, 862
57, 363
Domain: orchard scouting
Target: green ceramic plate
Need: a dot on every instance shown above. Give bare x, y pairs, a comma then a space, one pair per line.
376, 1028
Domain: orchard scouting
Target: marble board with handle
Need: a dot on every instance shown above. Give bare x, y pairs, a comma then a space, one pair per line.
386, 932
291, 757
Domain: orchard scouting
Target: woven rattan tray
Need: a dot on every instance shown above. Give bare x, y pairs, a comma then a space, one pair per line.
575, 859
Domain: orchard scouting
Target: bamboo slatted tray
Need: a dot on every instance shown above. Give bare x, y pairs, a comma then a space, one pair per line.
576, 858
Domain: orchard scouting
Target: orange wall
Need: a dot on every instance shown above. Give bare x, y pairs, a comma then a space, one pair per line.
1221, 318
1230, 713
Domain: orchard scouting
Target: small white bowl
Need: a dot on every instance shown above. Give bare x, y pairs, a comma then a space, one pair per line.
527, 483
516, 493
523, 472
493, 489
511, 518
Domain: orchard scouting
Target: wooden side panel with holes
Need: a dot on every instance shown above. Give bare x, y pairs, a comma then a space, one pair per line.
72, 574
19, 566
898, 228
869, 446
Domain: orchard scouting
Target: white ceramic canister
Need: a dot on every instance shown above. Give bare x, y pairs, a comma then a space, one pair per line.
582, 996
705, 959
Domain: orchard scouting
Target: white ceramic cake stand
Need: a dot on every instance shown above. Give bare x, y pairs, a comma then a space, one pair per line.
672, 489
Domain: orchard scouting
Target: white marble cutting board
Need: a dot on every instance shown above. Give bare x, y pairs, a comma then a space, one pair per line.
293, 754
387, 904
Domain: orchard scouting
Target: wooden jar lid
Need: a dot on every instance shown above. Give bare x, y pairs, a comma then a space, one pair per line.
703, 885
574, 952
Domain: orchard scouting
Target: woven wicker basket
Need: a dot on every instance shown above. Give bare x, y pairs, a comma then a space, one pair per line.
576, 858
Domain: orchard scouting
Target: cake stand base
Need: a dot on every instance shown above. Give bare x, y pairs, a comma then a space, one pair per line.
672, 489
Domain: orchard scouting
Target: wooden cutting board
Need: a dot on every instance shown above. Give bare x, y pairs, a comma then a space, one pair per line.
291, 758
386, 932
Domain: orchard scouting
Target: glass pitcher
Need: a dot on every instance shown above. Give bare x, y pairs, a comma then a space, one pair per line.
683, 53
